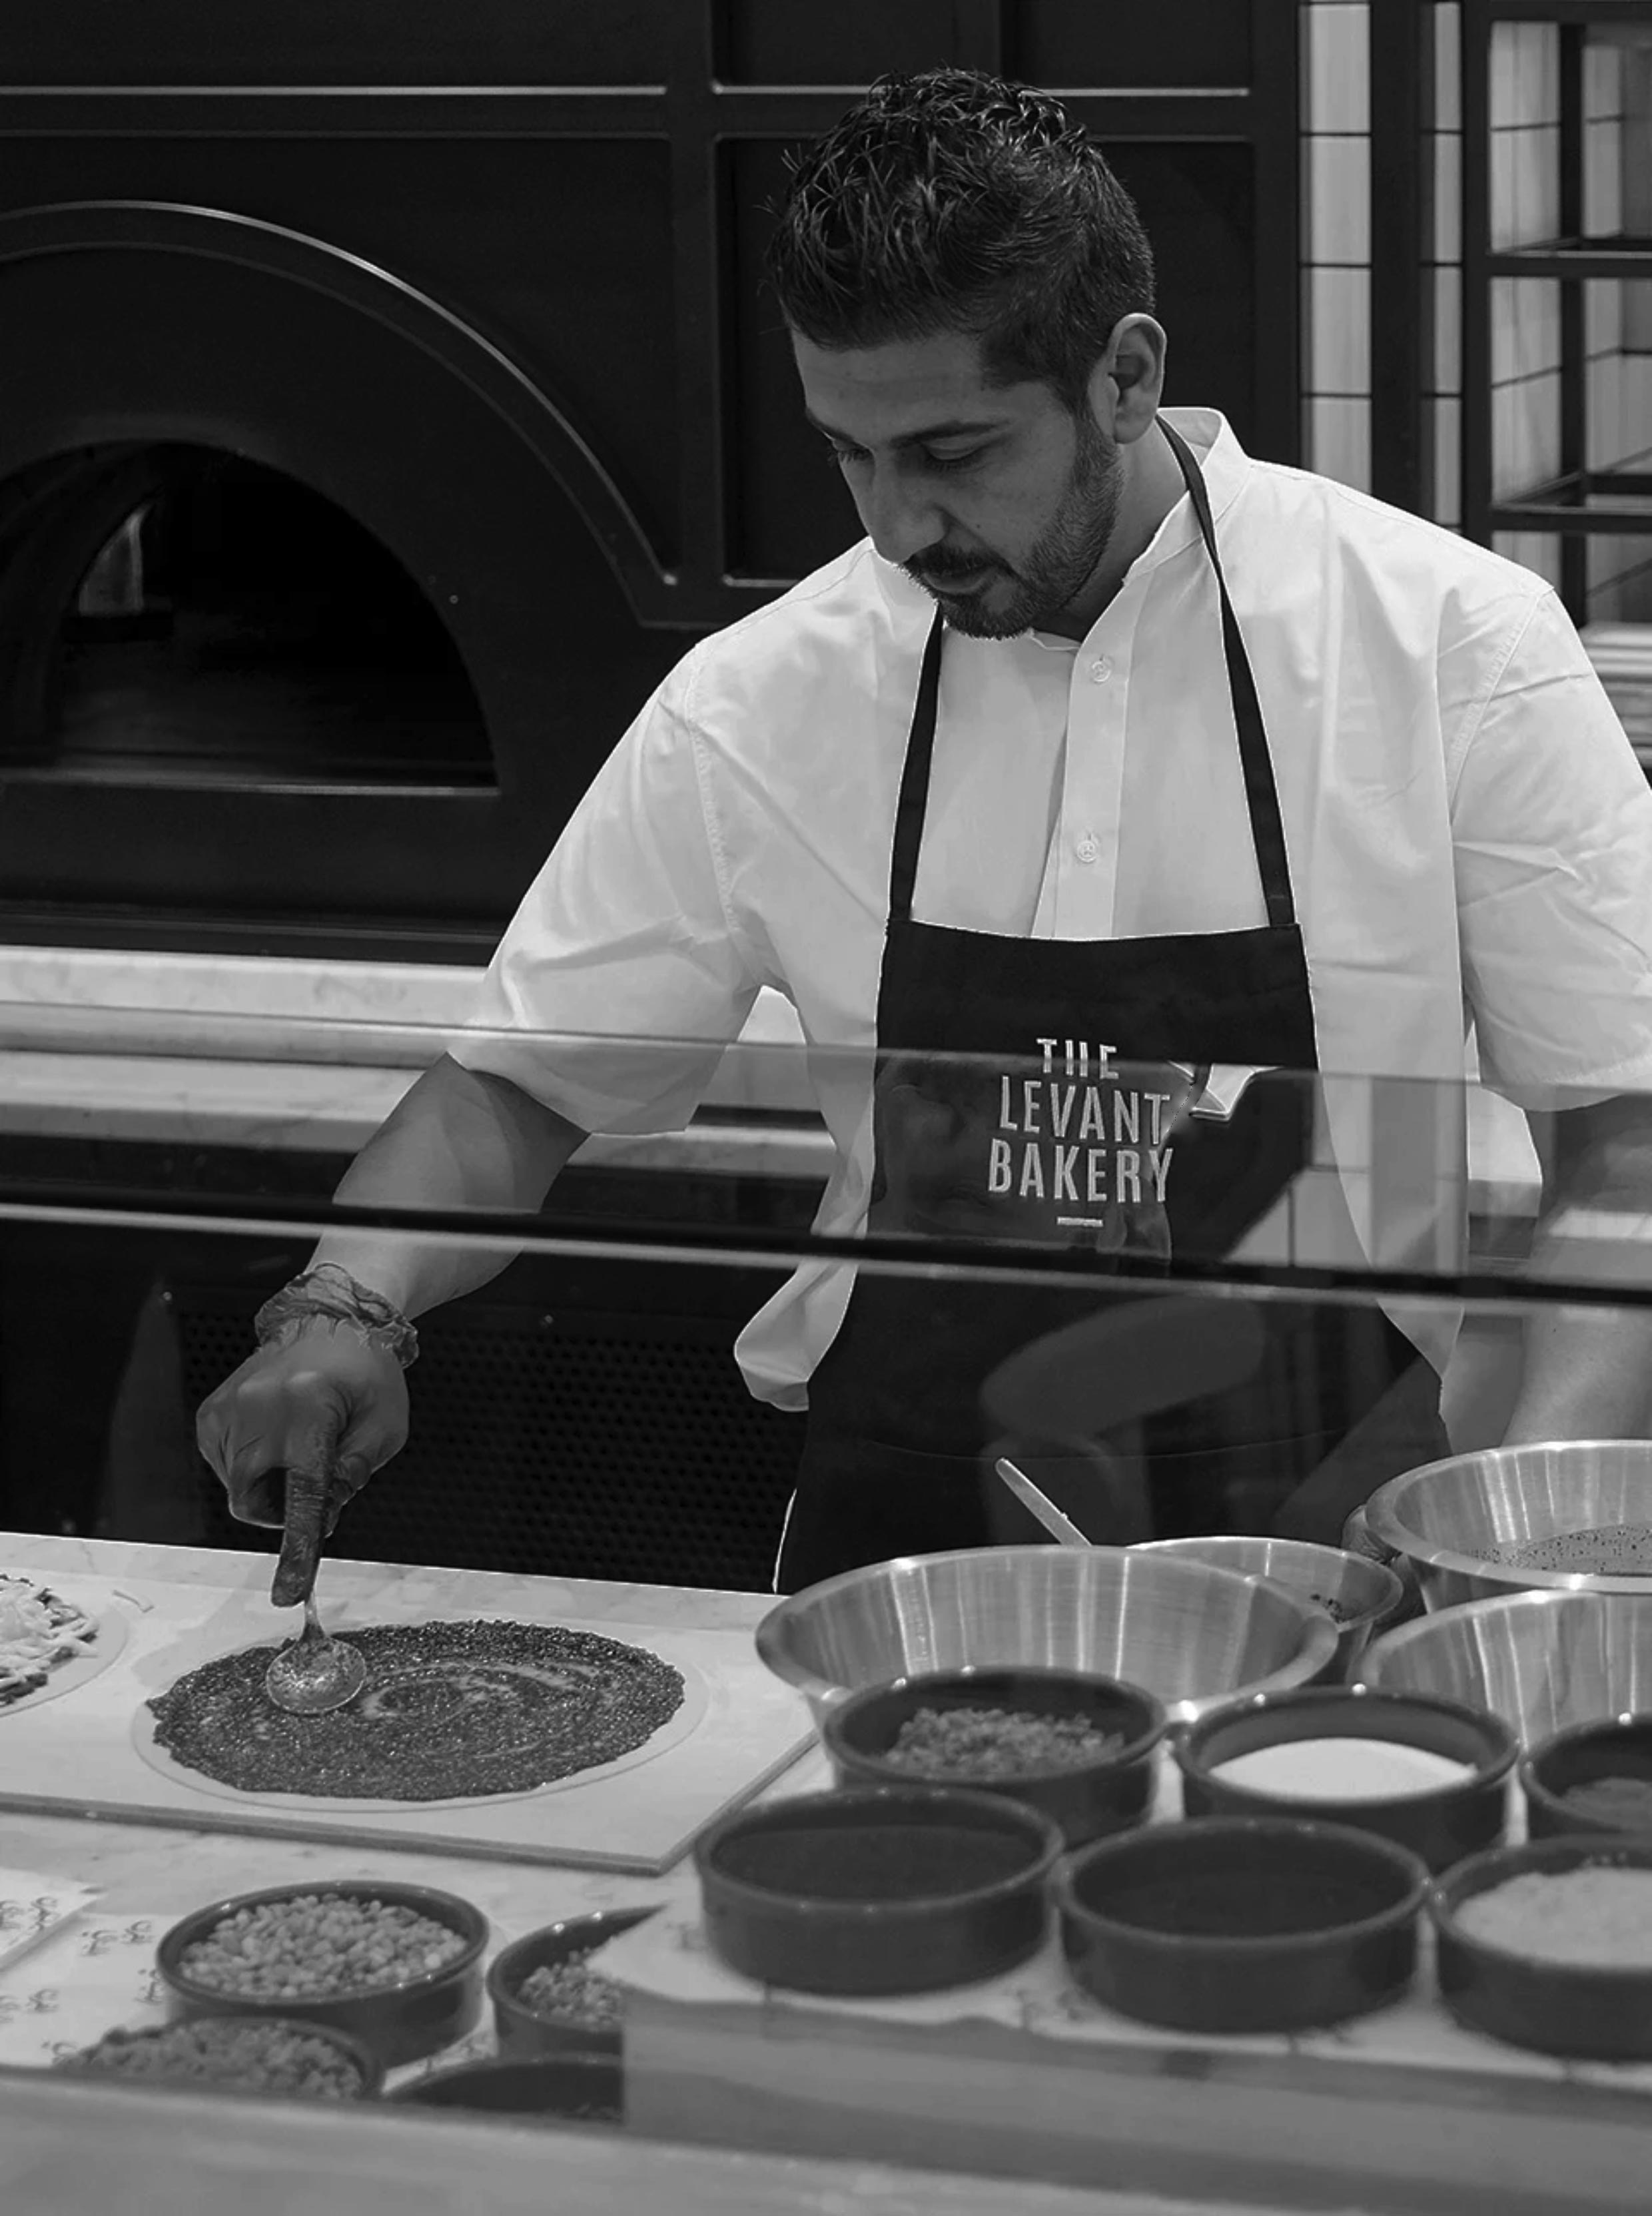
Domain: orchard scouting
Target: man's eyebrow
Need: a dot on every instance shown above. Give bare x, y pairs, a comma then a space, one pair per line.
958, 427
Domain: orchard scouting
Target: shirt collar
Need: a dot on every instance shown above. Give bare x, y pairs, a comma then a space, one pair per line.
1223, 464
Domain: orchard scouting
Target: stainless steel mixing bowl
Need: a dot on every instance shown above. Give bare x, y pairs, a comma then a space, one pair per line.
1443, 1518
1361, 1595
1542, 1661
1192, 1635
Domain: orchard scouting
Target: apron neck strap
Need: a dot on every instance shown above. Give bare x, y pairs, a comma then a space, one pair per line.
915, 779
1262, 794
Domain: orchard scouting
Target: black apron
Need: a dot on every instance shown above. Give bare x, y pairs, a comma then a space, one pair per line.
1045, 1135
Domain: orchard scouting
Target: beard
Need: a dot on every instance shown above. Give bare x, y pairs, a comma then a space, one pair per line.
1055, 568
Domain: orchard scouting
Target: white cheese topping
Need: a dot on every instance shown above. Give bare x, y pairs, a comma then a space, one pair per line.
38, 1630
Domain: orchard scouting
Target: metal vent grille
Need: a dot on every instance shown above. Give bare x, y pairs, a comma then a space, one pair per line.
606, 1447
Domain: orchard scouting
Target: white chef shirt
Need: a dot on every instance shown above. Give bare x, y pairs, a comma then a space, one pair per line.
1468, 830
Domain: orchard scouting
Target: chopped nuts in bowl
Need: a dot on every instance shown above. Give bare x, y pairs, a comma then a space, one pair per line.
1079, 1747
236, 2054
573, 1989
398, 1967
547, 1999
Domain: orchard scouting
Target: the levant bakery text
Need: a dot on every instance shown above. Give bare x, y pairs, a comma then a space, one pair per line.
1077, 1133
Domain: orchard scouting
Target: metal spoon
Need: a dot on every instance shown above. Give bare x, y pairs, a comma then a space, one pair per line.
1061, 1527
317, 1672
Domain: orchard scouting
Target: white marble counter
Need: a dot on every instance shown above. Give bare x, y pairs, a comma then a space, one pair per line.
141, 1868
413, 994
328, 1108
311, 1056
262, 1008
703, 1608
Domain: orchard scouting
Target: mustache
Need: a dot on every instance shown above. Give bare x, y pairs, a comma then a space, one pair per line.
937, 571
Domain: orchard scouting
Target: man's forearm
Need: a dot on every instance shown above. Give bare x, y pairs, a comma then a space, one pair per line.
1584, 1374
458, 1140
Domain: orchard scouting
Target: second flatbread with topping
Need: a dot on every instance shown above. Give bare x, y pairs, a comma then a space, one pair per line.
39, 1630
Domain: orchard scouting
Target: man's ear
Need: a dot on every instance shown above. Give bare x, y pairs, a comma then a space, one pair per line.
1127, 384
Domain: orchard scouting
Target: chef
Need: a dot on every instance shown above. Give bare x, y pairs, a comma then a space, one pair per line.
1109, 769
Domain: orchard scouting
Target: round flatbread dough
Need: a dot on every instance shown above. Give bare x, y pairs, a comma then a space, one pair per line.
450, 1711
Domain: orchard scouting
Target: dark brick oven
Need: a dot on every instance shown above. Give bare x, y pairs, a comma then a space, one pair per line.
386, 400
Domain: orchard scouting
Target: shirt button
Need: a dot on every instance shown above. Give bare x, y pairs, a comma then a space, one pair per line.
1088, 848
1100, 669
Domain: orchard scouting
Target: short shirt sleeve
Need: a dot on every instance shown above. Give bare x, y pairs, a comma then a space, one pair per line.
621, 977
1551, 820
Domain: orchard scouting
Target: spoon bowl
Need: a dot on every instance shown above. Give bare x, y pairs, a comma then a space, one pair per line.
315, 1673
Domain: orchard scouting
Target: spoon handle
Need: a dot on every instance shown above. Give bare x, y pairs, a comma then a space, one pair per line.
300, 1557
1059, 1526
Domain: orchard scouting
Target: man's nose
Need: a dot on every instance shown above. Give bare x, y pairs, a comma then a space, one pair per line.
899, 517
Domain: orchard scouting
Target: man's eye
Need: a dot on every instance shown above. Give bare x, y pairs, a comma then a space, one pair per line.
842, 457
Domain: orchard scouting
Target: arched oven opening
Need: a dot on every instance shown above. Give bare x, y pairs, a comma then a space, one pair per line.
317, 612
175, 612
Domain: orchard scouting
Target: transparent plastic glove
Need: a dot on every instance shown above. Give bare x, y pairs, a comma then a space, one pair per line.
327, 1393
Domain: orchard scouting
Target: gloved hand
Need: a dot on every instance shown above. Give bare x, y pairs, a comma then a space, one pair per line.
329, 1397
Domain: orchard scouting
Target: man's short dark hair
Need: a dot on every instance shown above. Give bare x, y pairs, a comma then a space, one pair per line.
954, 201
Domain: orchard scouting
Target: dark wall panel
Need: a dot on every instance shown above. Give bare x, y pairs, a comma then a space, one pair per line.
848, 42
1091, 43
332, 42
1198, 203
790, 511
